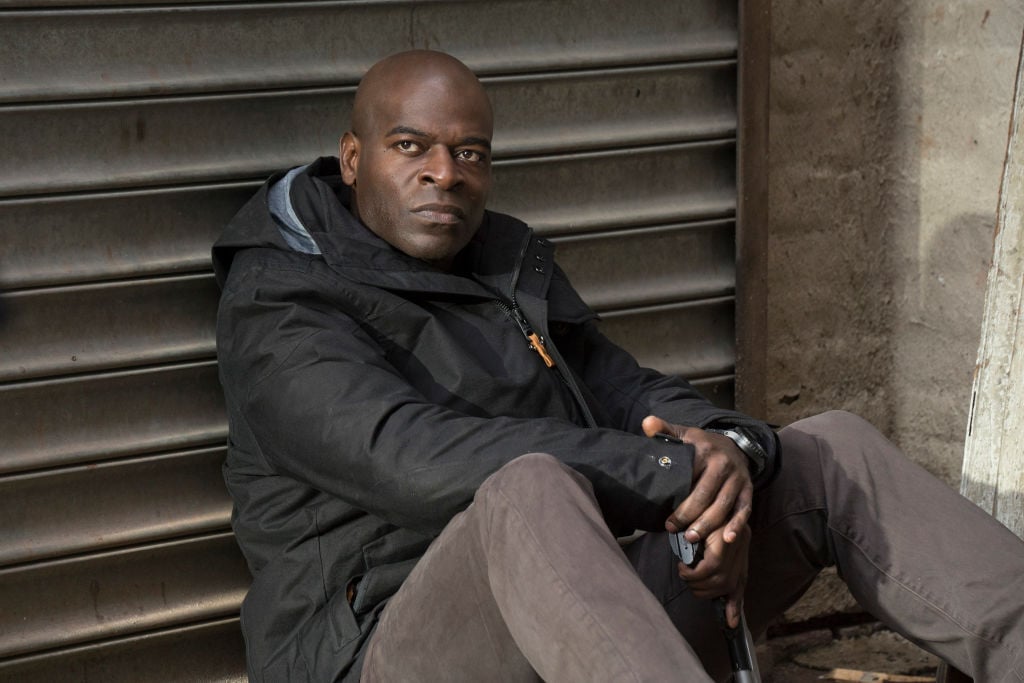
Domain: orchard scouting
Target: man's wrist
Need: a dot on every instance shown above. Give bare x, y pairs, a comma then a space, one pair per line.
757, 457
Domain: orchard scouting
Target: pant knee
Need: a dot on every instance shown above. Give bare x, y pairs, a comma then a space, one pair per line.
834, 435
816, 451
833, 422
530, 473
529, 466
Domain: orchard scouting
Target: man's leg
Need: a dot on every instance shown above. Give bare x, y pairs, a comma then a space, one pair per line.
916, 554
528, 582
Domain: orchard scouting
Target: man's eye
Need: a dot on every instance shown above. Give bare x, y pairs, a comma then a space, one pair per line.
470, 155
407, 146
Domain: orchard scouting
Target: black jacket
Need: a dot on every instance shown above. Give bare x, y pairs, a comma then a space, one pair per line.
370, 394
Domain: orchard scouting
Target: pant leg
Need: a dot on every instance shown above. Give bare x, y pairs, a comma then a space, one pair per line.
528, 582
923, 559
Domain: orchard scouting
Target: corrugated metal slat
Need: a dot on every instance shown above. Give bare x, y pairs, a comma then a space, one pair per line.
60, 603
555, 194
80, 53
107, 326
689, 339
647, 266
624, 188
91, 507
198, 139
211, 652
58, 422
83, 237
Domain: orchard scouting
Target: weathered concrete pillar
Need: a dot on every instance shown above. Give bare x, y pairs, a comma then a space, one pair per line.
993, 468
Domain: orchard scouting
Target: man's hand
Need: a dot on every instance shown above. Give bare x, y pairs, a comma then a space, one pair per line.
722, 490
716, 512
721, 572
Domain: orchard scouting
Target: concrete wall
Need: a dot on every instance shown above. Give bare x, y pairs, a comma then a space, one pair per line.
888, 129
888, 132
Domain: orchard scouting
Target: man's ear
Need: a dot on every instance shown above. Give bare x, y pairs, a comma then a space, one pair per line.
348, 155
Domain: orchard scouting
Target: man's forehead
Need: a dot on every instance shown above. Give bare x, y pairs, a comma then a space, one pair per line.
430, 111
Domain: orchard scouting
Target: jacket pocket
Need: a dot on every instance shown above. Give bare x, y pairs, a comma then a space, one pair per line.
380, 583
388, 561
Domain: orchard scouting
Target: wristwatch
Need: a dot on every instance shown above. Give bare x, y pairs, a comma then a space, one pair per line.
757, 459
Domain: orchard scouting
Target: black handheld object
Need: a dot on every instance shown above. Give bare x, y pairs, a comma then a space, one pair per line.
736, 639
688, 553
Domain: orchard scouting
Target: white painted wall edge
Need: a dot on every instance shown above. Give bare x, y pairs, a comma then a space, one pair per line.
993, 467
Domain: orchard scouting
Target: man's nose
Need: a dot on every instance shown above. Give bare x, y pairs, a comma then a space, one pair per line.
440, 168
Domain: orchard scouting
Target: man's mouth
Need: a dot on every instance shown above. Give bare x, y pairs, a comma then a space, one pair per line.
440, 213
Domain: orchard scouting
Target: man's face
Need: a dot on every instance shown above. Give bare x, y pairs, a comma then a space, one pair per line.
420, 167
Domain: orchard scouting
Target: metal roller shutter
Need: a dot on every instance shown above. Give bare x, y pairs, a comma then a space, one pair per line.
132, 131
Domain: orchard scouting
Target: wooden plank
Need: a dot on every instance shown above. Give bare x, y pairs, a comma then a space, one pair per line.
993, 469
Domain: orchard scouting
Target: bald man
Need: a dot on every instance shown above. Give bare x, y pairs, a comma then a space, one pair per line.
433, 448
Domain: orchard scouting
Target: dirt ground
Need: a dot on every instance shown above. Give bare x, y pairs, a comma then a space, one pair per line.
802, 657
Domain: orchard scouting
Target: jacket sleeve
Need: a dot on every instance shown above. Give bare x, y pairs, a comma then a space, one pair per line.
630, 393
322, 405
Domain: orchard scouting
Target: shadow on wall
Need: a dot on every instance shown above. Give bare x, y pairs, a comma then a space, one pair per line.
938, 341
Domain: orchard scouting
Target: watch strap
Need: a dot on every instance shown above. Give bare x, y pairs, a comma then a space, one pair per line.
757, 458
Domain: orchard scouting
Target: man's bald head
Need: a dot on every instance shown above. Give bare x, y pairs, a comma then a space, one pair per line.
418, 155
398, 74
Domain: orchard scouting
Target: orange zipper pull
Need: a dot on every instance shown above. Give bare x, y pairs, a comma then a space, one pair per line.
538, 346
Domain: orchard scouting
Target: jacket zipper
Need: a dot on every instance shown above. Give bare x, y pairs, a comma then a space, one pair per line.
537, 341
537, 344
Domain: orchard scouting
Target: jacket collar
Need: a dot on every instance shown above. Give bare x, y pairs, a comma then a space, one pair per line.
504, 253
505, 258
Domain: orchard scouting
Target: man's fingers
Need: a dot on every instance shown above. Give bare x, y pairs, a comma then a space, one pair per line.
711, 502
655, 425
652, 425
708, 583
741, 514
733, 607
689, 515
734, 604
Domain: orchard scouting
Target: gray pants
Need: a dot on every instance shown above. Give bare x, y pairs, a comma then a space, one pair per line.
528, 582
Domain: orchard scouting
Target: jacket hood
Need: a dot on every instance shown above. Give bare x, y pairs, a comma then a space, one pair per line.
269, 218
